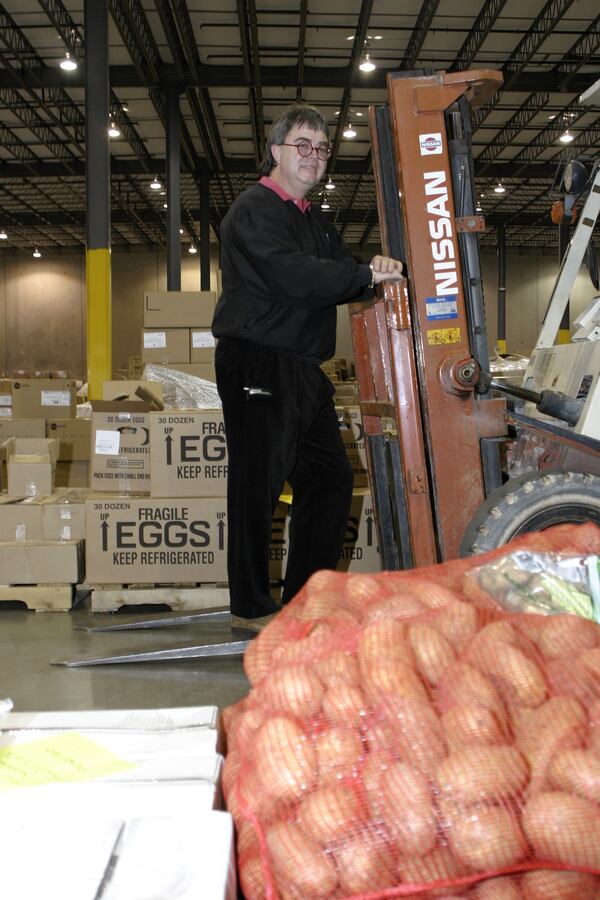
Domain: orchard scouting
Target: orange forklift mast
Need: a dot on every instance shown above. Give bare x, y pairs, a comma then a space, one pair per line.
420, 345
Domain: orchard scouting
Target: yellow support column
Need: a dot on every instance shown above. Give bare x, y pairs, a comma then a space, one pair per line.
564, 336
97, 190
99, 319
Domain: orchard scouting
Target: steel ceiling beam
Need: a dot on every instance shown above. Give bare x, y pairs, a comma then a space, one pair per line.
303, 16
347, 216
242, 166
540, 28
73, 38
126, 76
358, 44
249, 77
66, 115
27, 114
212, 143
139, 42
419, 33
482, 26
577, 56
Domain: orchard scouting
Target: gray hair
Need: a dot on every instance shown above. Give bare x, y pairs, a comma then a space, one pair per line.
298, 114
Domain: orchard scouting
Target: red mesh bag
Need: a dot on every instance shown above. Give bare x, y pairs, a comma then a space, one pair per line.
404, 737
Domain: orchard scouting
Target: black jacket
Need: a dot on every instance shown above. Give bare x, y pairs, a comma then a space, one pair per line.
284, 272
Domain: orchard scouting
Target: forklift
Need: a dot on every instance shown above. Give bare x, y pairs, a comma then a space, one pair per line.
435, 427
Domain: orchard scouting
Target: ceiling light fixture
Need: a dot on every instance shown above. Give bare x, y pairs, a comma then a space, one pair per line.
181, 231
124, 107
192, 249
113, 131
499, 189
165, 205
324, 205
37, 253
330, 186
367, 65
349, 131
478, 208
3, 235
67, 64
566, 137
155, 185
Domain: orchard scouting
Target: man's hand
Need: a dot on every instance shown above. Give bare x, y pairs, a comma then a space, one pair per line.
384, 268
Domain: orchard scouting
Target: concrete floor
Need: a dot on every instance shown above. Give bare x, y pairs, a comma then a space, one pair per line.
29, 640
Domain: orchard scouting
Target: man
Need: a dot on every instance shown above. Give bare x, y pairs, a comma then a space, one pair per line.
284, 270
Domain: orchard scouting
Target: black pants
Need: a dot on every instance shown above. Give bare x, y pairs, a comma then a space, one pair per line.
288, 432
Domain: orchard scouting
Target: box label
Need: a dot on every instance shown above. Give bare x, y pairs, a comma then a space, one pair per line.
202, 339
148, 540
5, 399
107, 443
155, 340
55, 398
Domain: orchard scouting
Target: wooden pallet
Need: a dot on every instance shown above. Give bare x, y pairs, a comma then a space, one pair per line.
109, 598
40, 597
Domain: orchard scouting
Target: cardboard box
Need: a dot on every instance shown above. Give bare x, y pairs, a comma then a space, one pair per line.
62, 854
74, 436
360, 552
188, 454
22, 428
346, 393
177, 309
135, 367
41, 562
166, 345
126, 390
148, 781
120, 447
140, 539
353, 436
20, 521
30, 465
202, 346
73, 474
63, 515
44, 398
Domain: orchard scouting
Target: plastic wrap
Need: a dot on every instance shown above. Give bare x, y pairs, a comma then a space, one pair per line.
509, 368
183, 391
545, 583
524, 453
404, 737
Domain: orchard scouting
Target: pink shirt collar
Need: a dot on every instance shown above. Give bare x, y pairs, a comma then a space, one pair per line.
303, 204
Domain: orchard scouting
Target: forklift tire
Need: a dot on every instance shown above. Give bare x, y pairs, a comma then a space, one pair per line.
532, 502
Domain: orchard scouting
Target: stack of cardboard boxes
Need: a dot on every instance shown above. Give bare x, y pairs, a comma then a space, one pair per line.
177, 331
39, 444
121, 803
157, 510
174, 530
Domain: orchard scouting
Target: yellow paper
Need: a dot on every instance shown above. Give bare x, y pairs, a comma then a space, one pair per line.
60, 758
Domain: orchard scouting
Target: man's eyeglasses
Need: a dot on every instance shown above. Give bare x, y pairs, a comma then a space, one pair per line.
305, 148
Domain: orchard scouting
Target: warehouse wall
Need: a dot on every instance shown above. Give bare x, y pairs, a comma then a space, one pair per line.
42, 304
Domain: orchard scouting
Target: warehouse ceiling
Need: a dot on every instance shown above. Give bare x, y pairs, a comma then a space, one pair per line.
238, 63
